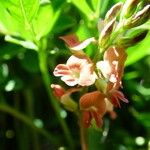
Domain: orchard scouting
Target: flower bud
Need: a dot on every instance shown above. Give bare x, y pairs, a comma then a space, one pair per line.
58, 90
101, 85
113, 12
68, 102
106, 32
131, 41
129, 8
140, 17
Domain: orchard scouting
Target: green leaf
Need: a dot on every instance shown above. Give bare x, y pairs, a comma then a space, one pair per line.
67, 22
7, 26
44, 20
83, 6
143, 90
19, 15
95, 6
25, 44
22, 10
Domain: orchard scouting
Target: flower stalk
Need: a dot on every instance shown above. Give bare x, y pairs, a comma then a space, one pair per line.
83, 134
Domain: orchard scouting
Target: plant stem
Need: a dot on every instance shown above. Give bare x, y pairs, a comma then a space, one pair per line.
30, 112
26, 120
21, 139
52, 99
83, 136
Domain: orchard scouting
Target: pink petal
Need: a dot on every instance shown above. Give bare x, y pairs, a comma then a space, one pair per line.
104, 68
69, 80
75, 60
98, 119
120, 95
62, 73
93, 101
61, 70
115, 101
115, 53
74, 43
83, 44
71, 40
87, 76
86, 118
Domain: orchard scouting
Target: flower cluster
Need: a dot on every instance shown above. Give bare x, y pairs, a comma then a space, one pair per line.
81, 71
106, 69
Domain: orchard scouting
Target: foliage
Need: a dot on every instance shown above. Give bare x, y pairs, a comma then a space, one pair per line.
30, 48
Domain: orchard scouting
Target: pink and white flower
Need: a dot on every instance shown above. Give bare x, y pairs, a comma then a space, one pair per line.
112, 68
76, 71
94, 107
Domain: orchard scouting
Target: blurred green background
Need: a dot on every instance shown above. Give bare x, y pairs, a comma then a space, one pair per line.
30, 48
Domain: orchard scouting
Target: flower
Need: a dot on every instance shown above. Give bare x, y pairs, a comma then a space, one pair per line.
114, 95
93, 106
76, 71
64, 96
111, 68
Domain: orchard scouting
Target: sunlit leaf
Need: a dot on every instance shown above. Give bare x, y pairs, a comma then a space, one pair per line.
25, 44
45, 20
84, 8
19, 13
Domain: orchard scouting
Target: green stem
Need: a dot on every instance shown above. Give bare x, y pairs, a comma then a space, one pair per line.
30, 110
21, 139
52, 99
27, 121
98, 9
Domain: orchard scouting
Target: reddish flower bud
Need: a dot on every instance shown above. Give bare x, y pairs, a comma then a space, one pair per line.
58, 90
64, 96
113, 12
106, 32
129, 8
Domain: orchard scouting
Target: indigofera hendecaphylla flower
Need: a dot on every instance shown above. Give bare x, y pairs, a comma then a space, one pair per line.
81, 71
